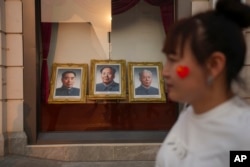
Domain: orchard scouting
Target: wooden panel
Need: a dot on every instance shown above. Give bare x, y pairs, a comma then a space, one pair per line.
109, 116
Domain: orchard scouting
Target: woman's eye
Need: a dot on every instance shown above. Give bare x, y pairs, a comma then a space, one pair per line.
172, 59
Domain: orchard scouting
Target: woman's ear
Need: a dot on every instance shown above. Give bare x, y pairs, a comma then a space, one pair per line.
216, 64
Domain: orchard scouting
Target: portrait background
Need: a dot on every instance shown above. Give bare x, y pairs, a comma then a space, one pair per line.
77, 79
153, 69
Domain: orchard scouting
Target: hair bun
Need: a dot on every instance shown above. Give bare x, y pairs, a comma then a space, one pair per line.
235, 10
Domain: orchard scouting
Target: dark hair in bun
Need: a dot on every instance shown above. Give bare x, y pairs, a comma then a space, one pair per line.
215, 30
235, 10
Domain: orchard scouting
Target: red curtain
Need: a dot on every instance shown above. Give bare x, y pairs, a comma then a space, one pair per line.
167, 11
120, 6
166, 7
46, 35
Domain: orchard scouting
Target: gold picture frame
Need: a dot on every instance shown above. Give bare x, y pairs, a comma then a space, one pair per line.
59, 87
144, 90
109, 87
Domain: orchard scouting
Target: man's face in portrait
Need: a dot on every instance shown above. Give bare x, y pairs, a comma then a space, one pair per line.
146, 79
68, 80
107, 75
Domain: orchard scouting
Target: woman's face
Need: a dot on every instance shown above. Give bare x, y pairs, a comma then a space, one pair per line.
190, 87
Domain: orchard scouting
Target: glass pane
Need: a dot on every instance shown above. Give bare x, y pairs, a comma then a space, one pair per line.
79, 35
109, 116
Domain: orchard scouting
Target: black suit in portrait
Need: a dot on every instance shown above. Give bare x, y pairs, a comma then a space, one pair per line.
64, 91
100, 87
141, 90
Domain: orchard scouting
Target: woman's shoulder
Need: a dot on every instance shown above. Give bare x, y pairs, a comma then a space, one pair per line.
239, 118
241, 103
240, 109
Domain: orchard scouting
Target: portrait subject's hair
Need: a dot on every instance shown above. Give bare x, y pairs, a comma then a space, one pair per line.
145, 71
67, 72
217, 30
111, 68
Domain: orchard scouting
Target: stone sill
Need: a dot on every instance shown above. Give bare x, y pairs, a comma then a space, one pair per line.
17, 144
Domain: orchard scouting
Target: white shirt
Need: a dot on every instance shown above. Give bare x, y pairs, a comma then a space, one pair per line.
205, 140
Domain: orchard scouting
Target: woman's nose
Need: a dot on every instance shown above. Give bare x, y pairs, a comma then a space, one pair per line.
166, 71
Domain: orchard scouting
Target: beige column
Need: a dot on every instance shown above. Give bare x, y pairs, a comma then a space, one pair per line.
200, 6
3, 114
248, 59
246, 69
14, 77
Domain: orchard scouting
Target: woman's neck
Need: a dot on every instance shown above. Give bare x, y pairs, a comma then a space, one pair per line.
211, 100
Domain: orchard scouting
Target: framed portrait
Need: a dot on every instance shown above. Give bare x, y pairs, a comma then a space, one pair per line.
145, 82
107, 80
68, 83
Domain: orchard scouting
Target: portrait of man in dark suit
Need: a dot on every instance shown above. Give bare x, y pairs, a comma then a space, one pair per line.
107, 84
68, 80
145, 88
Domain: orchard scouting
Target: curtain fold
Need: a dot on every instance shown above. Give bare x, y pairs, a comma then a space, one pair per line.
167, 11
166, 7
120, 6
156, 2
167, 14
46, 35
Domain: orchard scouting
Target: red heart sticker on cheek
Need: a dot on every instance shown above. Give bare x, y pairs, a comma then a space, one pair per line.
182, 71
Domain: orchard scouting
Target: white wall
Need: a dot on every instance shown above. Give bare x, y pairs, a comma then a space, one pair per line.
184, 8
96, 12
138, 34
74, 43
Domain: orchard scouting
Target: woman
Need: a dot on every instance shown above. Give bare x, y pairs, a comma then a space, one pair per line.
205, 54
